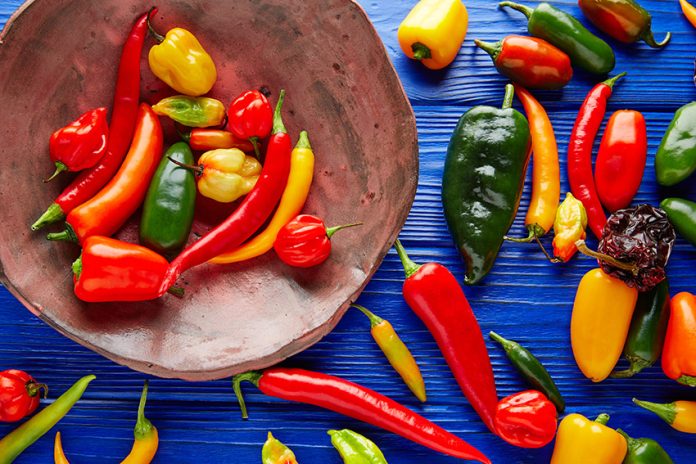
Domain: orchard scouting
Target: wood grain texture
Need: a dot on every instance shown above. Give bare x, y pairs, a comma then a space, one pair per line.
524, 298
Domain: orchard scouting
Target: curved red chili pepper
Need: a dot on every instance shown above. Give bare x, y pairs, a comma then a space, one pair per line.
527, 419
123, 117
580, 152
19, 395
358, 402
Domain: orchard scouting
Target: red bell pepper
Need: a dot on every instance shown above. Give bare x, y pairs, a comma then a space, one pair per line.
305, 241
251, 117
526, 419
678, 354
621, 159
19, 395
81, 144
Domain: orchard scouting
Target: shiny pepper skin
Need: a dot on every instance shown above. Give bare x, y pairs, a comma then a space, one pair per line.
569, 227
251, 117
678, 359
355, 448
226, 174
19, 395
581, 441
526, 419
192, 111
275, 452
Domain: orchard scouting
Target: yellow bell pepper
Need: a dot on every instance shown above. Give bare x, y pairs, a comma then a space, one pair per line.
581, 441
181, 62
599, 325
681, 415
433, 32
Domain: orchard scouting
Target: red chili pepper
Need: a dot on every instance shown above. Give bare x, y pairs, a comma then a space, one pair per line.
305, 241
204, 139
81, 144
106, 212
123, 117
112, 270
19, 395
580, 152
358, 402
256, 207
621, 159
434, 294
526, 419
251, 117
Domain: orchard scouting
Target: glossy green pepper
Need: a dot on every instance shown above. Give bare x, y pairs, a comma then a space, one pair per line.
682, 215
169, 204
624, 20
355, 448
647, 332
482, 183
644, 451
557, 27
676, 156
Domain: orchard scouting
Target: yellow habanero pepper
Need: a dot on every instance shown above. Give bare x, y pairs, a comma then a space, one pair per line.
433, 32
599, 325
146, 436
294, 196
181, 62
569, 226
681, 415
581, 441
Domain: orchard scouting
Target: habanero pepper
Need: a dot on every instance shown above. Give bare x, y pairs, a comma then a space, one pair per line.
275, 452
191, 111
644, 451
526, 419
204, 139
569, 226
582, 138
107, 211
355, 401
621, 159
355, 448
680, 415
123, 121
251, 118
581, 441
678, 360
624, 20
675, 159
396, 352
20, 395
533, 63
557, 27
434, 294
81, 144
682, 215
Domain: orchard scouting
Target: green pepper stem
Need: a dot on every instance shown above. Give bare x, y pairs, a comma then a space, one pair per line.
332, 230
143, 426
632, 442
504, 342
60, 167
374, 319
303, 141
255, 143
421, 51
254, 377
158, 37
77, 267
666, 412
178, 292
516, 6
54, 213
197, 170
410, 267
582, 248
34, 389
492, 49
67, 235
602, 419
278, 126
613, 80
637, 365
649, 39
509, 96
687, 380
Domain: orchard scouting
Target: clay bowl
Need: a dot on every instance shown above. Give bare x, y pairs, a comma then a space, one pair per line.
58, 59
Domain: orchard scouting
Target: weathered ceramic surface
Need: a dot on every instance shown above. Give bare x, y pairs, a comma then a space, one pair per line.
58, 59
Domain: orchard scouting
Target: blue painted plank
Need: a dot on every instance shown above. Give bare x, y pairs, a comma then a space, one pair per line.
524, 297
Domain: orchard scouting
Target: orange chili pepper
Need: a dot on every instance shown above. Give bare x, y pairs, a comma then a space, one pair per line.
58, 454
678, 360
204, 139
396, 352
680, 415
689, 11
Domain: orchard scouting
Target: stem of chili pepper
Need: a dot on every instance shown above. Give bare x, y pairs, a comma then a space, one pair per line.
420, 51
197, 170
332, 230
602, 419
34, 389
410, 267
158, 37
582, 248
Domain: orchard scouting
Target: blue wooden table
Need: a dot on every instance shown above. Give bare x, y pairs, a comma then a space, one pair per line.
524, 297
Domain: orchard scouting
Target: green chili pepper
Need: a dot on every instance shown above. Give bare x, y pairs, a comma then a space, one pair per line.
484, 174
355, 448
644, 451
531, 369
676, 156
624, 20
682, 215
169, 204
567, 33
192, 111
647, 332
26, 434
274, 452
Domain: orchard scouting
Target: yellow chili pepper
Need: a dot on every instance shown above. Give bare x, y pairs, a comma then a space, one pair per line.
689, 11
146, 437
275, 452
294, 196
192, 111
181, 62
433, 32
396, 352
600, 322
58, 454
581, 441
569, 227
681, 415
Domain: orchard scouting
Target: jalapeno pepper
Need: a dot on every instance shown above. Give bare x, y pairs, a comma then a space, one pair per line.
557, 27
678, 360
675, 159
680, 415
624, 20
581, 441
682, 215
355, 448
644, 451
191, 111
275, 452
526, 419
483, 179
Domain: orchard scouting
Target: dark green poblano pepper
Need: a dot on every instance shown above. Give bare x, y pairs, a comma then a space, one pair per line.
355, 448
676, 156
644, 451
484, 175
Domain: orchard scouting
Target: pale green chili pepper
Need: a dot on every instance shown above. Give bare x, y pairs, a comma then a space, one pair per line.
192, 111
275, 452
355, 448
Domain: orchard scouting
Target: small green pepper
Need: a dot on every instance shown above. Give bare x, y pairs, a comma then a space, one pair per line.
644, 451
676, 156
355, 448
532, 369
169, 204
275, 452
557, 27
192, 111
682, 215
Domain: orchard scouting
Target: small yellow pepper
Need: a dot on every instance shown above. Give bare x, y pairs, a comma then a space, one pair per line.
146, 436
600, 321
433, 32
192, 111
275, 452
181, 62
58, 454
294, 196
581, 441
569, 227
681, 415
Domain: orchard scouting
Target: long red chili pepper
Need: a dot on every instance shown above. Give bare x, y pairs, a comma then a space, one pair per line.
436, 297
256, 207
582, 139
358, 402
121, 129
